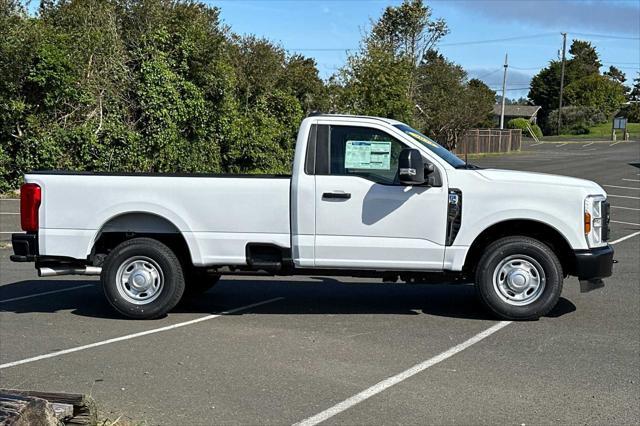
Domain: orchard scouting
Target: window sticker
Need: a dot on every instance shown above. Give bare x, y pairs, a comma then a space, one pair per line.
371, 155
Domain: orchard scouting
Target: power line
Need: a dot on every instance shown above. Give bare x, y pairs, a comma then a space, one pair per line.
488, 74
617, 37
459, 43
496, 40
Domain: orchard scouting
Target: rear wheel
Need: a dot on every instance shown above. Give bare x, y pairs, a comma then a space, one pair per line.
519, 278
142, 278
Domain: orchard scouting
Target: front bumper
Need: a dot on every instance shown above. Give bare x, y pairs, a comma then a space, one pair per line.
25, 247
594, 264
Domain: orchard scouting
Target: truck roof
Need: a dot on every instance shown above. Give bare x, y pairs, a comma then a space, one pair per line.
370, 117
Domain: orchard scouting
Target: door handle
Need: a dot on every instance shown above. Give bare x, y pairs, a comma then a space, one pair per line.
336, 195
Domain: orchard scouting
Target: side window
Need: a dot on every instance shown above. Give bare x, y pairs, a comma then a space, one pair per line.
366, 152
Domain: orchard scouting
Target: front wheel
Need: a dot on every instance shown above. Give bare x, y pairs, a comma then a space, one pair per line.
519, 278
142, 278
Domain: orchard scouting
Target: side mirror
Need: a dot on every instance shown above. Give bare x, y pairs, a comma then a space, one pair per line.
410, 167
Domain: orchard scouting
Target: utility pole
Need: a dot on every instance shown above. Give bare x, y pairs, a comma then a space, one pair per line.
564, 48
504, 90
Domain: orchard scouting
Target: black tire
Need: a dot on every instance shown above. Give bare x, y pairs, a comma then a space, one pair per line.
514, 261
198, 281
159, 268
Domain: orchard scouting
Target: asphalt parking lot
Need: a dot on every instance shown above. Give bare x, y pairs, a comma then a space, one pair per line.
284, 351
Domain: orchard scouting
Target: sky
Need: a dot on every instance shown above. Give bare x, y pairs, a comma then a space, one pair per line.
327, 29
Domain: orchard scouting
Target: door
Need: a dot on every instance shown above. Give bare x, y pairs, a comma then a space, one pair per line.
364, 217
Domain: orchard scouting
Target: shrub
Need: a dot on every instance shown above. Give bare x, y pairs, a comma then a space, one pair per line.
579, 129
632, 112
523, 124
574, 117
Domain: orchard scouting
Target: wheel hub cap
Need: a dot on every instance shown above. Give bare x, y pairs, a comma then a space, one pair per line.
519, 280
140, 280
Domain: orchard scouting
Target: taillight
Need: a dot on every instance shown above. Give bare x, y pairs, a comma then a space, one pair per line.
30, 198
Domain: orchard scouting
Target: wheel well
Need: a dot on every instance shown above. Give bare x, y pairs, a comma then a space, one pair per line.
134, 225
528, 228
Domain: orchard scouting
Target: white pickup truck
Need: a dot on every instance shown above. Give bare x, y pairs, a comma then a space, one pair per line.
368, 197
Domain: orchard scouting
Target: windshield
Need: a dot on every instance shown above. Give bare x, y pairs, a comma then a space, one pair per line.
434, 147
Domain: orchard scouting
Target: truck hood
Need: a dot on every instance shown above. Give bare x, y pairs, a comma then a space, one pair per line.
514, 176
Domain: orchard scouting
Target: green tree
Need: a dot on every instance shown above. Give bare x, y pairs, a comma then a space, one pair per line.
615, 74
581, 73
448, 103
596, 91
145, 85
301, 77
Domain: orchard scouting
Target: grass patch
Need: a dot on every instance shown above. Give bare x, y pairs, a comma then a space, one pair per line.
601, 131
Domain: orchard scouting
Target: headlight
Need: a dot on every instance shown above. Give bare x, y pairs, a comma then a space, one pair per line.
596, 220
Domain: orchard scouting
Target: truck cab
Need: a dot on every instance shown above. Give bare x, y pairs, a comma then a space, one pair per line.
368, 196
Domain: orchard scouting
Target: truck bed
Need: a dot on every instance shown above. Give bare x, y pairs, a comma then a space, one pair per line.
217, 214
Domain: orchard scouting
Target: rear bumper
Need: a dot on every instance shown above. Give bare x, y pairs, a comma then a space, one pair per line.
594, 264
25, 247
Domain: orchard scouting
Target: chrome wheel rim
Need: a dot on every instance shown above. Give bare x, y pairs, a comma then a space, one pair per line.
519, 280
139, 280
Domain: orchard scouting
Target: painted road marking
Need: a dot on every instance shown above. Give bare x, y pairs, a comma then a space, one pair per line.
625, 208
625, 223
134, 335
622, 187
632, 180
46, 292
8, 213
619, 240
615, 143
9, 199
562, 144
11, 232
623, 196
589, 144
394, 380
539, 143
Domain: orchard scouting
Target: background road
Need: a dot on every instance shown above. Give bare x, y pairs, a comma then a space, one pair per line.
324, 340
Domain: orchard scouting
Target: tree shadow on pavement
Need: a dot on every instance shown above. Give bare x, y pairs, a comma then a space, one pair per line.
319, 296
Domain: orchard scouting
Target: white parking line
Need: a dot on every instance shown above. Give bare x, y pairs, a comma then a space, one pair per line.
625, 223
619, 240
615, 143
394, 380
623, 196
10, 232
9, 199
621, 187
9, 213
134, 335
625, 208
539, 143
562, 144
632, 180
45, 293
589, 144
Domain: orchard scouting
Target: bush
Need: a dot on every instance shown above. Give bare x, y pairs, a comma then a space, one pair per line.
579, 129
523, 124
632, 112
575, 117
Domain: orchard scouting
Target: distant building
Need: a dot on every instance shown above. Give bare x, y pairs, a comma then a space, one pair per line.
530, 112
